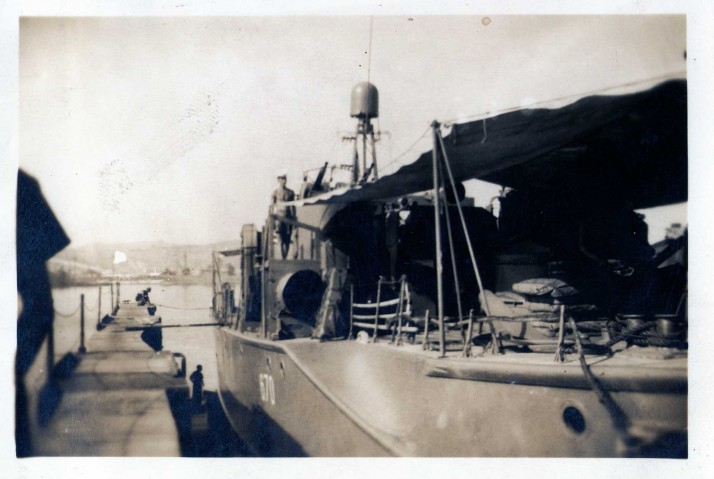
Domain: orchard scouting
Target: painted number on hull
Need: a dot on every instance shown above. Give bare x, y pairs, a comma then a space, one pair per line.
267, 388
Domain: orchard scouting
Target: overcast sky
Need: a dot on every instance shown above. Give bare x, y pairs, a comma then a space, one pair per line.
173, 128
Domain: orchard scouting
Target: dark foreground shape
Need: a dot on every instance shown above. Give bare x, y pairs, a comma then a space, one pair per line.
51, 393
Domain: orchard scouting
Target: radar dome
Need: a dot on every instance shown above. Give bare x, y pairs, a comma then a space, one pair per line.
365, 101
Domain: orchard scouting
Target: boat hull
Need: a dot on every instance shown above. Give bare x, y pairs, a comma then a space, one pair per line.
343, 398
275, 408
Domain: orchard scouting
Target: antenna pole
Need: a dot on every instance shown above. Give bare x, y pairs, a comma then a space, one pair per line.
365, 125
355, 164
374, 154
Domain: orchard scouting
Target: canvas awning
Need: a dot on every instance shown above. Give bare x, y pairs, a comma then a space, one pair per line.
633, 146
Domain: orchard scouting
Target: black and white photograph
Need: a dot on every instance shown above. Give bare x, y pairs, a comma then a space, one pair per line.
320, 232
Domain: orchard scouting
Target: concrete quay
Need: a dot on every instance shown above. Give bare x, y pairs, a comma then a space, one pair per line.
123, 396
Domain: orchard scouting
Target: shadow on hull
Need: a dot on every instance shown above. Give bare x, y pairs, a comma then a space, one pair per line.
267, 437
206, 433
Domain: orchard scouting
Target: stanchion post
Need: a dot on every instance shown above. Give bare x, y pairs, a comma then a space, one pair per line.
99, 307
82, 349
117, 294
111, 299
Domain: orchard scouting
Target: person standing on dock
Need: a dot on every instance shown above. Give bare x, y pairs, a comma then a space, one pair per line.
284, 228
197, 392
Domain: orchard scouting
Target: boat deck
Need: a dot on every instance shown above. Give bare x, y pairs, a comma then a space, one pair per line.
116, 398
632, 368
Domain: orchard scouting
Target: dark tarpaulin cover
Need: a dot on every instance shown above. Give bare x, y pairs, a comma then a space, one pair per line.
632, 147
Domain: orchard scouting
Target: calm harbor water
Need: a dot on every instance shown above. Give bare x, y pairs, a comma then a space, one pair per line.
176, 304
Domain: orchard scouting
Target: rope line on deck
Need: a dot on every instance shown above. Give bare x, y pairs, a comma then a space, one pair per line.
184, 309
67, 315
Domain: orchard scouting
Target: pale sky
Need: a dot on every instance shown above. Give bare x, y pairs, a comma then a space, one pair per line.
171, 128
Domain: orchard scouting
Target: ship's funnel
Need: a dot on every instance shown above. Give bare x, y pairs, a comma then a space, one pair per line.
365, 101
301, 293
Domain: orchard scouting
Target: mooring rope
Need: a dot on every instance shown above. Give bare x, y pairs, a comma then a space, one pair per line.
619, 419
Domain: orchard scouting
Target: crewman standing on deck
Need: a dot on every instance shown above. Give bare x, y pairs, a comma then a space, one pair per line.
197, 392
284, 229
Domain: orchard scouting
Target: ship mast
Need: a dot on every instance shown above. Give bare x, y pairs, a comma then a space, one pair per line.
364, 107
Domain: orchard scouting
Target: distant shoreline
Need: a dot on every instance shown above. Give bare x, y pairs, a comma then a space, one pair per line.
202, 279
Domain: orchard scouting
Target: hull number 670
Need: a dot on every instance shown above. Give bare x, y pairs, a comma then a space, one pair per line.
267, 388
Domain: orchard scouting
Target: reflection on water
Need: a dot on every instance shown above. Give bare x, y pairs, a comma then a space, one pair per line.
185, 305
176, 304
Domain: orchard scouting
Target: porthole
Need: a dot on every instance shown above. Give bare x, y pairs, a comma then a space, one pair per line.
574, 419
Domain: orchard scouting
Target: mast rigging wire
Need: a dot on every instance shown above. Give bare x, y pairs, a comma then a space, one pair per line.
369, 51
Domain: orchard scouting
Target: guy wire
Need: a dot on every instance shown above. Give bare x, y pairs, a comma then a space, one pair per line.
369, 51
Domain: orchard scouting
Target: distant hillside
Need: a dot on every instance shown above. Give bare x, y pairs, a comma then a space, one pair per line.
146, 257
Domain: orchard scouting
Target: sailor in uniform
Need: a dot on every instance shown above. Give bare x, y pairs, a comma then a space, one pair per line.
284, 229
